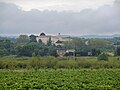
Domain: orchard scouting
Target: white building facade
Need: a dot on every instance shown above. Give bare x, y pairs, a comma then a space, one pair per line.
57, 40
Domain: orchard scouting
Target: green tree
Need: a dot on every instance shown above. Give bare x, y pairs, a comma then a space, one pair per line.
52, 51
95, 52
32, 38
22, 39
6, 47
103, 56
43, 51
118, 51
28, 49
49, 42
3, 52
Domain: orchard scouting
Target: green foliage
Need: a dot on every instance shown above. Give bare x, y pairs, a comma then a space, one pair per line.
98, 42
118, 51
22, 39
52, 51
6, 47
32, 38
74, 43
3, 52
94, 46
103, 56
40, 41
28, 49
67, 79
26, 46
33, 55
95, 52
49, 43
56, 62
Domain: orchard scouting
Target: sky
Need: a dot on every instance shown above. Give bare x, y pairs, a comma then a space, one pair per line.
59, 5
73, 17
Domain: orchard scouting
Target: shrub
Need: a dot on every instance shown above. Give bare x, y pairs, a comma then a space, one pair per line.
103, 56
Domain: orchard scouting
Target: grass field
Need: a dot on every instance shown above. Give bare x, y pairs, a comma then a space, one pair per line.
59, 73
60, 79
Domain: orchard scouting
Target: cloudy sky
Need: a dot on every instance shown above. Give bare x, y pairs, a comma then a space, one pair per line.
75, 17
59, 5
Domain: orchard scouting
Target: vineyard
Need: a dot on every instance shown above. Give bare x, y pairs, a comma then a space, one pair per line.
60, 79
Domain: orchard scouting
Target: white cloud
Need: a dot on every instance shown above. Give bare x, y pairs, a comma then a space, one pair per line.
104, 20
59, 5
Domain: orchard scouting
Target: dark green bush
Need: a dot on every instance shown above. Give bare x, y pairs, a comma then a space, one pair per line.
103, 56
57, 63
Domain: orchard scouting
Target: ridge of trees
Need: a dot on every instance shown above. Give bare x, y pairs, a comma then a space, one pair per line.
26, 45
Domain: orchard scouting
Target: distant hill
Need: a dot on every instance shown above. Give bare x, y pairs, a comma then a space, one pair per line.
9, 36
82, 36
93, 36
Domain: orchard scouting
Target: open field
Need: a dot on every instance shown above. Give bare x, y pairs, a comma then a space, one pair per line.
60, 79
50, 73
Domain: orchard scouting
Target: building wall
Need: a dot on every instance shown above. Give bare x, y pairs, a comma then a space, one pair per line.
44, 39
54, 39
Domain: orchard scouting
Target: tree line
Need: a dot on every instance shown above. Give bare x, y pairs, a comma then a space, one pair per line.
26, 45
